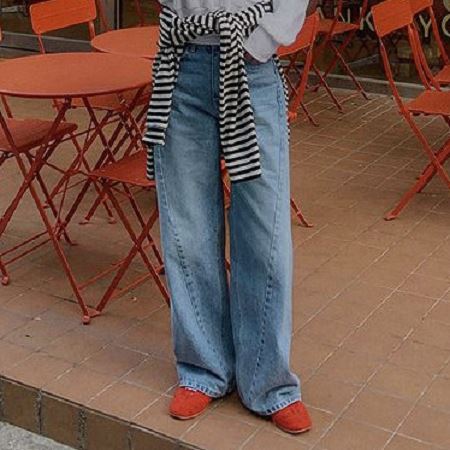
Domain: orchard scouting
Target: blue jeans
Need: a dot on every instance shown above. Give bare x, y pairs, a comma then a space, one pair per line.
236, 335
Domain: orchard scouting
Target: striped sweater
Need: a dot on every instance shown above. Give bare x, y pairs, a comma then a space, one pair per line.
236, 121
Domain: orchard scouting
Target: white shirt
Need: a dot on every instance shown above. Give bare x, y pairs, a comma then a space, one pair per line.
278, 28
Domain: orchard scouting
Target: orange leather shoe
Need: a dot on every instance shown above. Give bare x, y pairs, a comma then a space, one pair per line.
188, 403
293, 419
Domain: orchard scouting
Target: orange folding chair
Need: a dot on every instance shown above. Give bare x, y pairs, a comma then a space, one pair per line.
140, 11
52, 15
442, 77
389, 17
3, 157
129, 172
31, 143
337, 35
2, 97
138, 8
297, 78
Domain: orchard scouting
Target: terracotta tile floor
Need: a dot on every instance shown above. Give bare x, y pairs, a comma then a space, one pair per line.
371, 305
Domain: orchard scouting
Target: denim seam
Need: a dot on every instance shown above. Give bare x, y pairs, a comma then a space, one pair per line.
181, 256
275, 70
212, 86
269, 287
234, 282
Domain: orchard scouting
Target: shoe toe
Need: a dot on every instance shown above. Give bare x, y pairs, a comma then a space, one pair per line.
187, 403
293, 419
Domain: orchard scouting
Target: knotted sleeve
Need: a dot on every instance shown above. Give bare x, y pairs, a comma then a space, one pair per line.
277, 28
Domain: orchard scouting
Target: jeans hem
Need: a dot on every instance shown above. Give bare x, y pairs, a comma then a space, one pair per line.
190, 384
280, 405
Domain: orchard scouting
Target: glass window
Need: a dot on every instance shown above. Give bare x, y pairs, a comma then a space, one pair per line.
130, 12
362, 52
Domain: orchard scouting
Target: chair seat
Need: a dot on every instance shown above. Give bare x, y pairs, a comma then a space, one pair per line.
111, 102
29, 133
130, 169
430, 102
340, 28
443, 76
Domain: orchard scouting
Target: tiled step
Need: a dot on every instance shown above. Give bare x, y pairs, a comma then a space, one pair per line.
74, 424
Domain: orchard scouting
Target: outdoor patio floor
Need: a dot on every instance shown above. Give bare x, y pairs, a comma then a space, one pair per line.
371, 303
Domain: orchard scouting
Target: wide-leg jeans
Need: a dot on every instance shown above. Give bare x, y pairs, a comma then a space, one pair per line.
235, 335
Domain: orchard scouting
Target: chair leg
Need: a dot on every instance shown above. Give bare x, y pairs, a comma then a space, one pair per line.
435, 166
137, 248
57, 246
308, 115
80, 159
297, 211
49, 202
349, 71
323, 82
5, 276
338, 58
141, 220
134, 142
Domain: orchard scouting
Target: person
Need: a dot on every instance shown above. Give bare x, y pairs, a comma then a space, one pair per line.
218, 94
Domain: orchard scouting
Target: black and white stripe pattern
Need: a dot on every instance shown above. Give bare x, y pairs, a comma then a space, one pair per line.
237, 128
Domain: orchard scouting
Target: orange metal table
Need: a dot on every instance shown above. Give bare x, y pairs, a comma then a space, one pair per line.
65, 77
139, 41
72, 75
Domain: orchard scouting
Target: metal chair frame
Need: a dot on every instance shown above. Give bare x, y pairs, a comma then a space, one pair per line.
389, 17
53, 15
329, 31
130, 172
442, 77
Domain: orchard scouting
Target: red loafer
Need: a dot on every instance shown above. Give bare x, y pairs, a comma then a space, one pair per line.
293, 419
188, 403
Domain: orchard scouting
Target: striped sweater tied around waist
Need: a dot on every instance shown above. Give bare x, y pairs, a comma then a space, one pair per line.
236, 121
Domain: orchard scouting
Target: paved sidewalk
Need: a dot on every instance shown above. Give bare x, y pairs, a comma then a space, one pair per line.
371, 307
13, 438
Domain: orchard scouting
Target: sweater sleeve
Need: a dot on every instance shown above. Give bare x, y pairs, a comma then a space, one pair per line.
277, 28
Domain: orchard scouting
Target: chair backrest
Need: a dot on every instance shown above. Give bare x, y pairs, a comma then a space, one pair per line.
420, 6
338, 9
391, 16
52, 15
140, 11
304, 43
138, 6
158, 6
3, 100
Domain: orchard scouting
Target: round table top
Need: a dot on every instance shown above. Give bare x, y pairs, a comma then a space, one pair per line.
71, 75
138, 41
